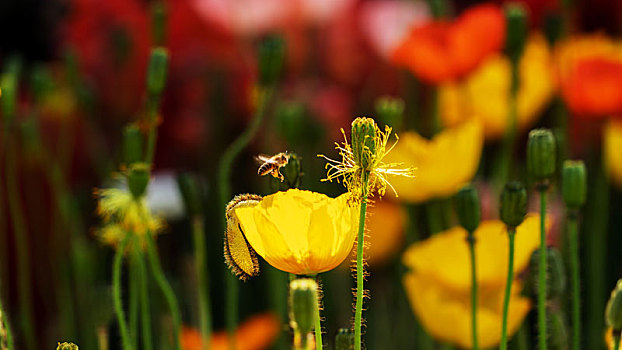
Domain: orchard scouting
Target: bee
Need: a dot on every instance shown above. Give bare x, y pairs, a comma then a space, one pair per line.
272, 165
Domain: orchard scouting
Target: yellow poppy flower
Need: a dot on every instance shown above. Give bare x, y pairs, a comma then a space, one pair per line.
300, 232
612, 148
444, 164
385, 231
484, 95
439, 282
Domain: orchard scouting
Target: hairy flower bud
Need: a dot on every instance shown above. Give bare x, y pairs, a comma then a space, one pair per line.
157, 70
513, 204
613, 313
468, 208
541, 154
364, 142
138, 179
303, 304
190, 193
574, 184
555, 275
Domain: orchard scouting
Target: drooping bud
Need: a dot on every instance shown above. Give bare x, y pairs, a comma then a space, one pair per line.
390, 111
574, 184
157, 70
67, 346
541, 155
516, 30
344, 340
271, 57
613, 313
468, 208
303, 304
138, 179
513, 204
364, 142
190, 192
132, 144
556, 273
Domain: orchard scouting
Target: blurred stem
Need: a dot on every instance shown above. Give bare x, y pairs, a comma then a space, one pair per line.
166, 288
522, 338
134, 294
21, 243
152, 113
436, 117
6, 336
576, 284
116, 294
508, 289
503, 164
471, 240
360, 244
542, 269
145, 317
224, 188
434, 212
561, 116
200, 260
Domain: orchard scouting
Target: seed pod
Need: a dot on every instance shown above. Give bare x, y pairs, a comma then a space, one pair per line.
364, 142
468, 208
541, 154
513, 204
574, 184
303, 304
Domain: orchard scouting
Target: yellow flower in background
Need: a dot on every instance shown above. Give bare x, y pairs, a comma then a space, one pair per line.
444, 164
484, 94
439, 281
612, 148
300, 232
385, 231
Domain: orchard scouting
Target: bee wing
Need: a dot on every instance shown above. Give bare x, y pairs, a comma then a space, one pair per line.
262, 158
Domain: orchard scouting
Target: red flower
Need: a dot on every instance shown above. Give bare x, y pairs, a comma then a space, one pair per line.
439, 51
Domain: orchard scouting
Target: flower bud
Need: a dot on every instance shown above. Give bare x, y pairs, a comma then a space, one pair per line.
271, 57
138, 179
390, 110
468, 208
156, 72
574, 184
541, 154
513, 204
613, 313
67, 346
190, 192
363, 142
132, 144
555, 274
292, 172
303, 304
516, 31
344, 340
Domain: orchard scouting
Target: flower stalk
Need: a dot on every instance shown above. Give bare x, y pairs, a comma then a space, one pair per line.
116, 294
508, 287
360, 243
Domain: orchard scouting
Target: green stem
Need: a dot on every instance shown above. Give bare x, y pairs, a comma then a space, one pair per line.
360, 243
21, 243
200, 260
153, 103
616, 342
508, 289
318, 324
116, 293
542, 269
166, 288
134, 288
434, 216
145, 316
471, 240
576, 285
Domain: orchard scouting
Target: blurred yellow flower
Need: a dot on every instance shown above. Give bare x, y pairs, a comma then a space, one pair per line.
484, 94
612, 148
385, 231
439, 281
300, 232
444, 164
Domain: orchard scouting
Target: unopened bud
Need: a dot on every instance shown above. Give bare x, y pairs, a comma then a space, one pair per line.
292, 172
156, 72
513, 205
613, 313
541, 154
66, 346
555, 274
132, 144
516, 30
138, 179
364, 142
574, 184
271, 57
190, 192
344, 340
390, 110
468, 208
303, 304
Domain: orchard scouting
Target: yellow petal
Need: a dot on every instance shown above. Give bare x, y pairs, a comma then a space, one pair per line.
444, 164
612, 140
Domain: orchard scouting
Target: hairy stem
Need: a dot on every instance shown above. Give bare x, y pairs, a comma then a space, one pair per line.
542, 269
360, 244
508, 289
576, 285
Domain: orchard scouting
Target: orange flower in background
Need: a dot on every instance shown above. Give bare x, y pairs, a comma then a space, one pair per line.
440, 51
256, 333
443, 164
385, 231
589, 70
485, 93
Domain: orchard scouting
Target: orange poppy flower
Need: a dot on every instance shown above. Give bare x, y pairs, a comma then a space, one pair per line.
440, 51
256, 333
590, 76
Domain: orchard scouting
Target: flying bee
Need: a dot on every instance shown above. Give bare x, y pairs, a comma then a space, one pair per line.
272, 165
